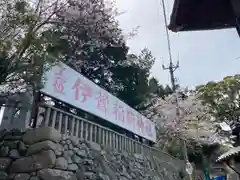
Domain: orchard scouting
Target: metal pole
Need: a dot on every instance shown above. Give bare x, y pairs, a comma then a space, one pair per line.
185, 155
172, 68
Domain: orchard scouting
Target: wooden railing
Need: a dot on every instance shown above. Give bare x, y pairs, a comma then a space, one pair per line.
72, 125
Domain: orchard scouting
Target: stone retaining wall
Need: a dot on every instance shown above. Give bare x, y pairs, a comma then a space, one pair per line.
43, 154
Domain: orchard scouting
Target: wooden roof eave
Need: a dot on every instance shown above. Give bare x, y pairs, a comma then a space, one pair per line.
188, 15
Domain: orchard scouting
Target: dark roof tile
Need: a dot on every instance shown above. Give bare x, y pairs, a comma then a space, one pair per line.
194, 15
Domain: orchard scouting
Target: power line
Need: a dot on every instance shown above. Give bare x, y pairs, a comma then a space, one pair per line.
171, 66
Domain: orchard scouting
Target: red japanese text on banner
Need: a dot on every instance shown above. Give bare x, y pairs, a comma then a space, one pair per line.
118, 111
102, 101
130, 117
67, 85
59, 81
140, 124
84, 88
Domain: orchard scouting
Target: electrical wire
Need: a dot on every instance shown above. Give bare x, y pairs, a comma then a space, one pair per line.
167, 32
169, 50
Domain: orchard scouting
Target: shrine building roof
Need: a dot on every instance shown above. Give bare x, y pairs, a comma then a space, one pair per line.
197, 15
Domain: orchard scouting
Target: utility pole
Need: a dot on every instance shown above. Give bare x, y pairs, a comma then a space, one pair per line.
172, 68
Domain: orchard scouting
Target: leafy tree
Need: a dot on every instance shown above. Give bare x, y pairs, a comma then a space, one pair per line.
83, 34
168, 90
223, 101
158, 89
223, 98
153, 85
161, 91
26, 41
35, 36
131, 78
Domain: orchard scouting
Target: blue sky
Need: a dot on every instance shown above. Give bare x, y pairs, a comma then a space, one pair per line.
203, 56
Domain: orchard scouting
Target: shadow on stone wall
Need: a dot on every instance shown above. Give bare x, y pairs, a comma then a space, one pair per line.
43, 154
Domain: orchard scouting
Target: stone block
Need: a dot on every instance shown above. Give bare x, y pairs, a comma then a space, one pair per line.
72, 167
41, 134
23, 176
103, 177
14, 154
4, 163
74, 140
61, 163
94, 146
22, 148
41, 146
45, 159
34, 178
3, 175
80, 173
81, 152
12, 137
139, 157
47, 174
4, 150
11, 144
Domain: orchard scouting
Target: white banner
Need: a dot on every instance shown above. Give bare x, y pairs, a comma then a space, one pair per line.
73, 88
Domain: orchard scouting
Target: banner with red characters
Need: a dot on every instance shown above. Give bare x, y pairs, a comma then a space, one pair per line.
69, 86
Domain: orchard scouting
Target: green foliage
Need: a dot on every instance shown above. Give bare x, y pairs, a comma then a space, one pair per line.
24, 46
201, 155
132, 82
153, 86
173, 147
35, 36
168, 90
158, 89
131, 78
223, 98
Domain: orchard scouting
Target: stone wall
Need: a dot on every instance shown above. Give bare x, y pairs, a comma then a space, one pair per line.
44, 154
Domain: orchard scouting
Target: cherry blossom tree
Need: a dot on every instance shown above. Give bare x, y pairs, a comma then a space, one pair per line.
35, 35
193, 124
91, 40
